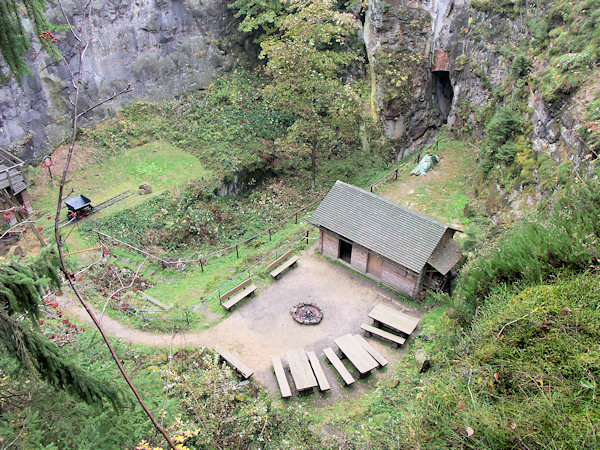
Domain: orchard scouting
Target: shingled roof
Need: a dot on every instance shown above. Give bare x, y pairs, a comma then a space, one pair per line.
380, 225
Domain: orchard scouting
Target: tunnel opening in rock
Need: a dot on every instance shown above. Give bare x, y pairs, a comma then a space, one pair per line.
444, 93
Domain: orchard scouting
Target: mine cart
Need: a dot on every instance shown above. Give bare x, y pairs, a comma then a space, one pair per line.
79, 207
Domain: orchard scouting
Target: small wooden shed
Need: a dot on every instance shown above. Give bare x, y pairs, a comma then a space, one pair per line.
401, 248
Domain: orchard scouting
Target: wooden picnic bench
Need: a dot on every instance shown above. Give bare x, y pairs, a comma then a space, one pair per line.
318, 370
284, 386
356, 353
300, 369
239, 366
246, 289
339, 366
282, 263
386, 335
372, 351
394, 319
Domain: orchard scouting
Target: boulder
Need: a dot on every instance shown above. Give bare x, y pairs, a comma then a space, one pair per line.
422, 361
145, 188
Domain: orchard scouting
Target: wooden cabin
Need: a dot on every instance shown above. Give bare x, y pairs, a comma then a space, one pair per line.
13, 186
391, 244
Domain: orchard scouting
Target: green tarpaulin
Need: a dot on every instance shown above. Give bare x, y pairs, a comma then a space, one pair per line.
426, 164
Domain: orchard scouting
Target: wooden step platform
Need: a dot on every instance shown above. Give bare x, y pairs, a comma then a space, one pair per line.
374, 353
339, 366
239, 297
239, 366
284, 386
318, 370
393, 338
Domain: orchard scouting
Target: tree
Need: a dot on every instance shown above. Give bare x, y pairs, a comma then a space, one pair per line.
21, 286
306, 64
14, 41
260, 16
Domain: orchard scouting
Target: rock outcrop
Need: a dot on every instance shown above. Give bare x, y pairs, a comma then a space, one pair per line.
160, 47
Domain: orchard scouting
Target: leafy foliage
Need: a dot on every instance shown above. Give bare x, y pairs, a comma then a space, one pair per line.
306, 63
20, 291
532, 251
502, 130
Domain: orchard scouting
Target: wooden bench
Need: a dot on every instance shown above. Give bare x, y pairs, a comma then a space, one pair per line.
393, 338
284, 386
246, 289
282, 263
239, 366
339, 366
318, 370
374, 353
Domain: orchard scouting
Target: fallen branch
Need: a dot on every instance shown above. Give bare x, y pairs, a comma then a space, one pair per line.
516, 320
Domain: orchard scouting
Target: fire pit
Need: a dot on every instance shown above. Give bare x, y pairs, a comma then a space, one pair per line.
307, 313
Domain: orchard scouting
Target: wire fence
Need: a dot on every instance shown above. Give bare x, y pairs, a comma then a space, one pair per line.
186, 315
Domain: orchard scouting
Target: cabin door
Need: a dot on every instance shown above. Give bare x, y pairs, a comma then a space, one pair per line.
374, 264
345, 251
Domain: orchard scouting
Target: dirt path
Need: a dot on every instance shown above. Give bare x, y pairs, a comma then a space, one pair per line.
261, 328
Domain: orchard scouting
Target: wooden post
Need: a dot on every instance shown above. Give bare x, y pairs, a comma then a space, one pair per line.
371, 188
201, 265
237, 252
296, 218
143, 316
187, 318
269, 234
307, 231
396, 174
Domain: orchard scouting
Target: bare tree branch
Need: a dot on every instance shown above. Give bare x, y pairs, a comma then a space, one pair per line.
59, 240
162, 415
112, 97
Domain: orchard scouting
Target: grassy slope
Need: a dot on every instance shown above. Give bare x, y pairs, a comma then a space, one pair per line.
161, 164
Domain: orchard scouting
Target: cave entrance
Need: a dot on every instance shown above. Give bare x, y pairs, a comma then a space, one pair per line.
442, 88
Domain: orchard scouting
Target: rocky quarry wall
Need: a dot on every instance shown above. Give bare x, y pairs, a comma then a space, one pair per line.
166, 47
159, 47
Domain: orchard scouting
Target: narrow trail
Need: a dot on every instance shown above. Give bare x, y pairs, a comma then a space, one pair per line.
261, 327
117, 329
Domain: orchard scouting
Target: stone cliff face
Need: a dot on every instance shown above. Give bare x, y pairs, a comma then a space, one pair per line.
160, 47
401, 37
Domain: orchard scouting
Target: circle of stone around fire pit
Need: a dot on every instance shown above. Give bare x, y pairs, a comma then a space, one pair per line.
307, 313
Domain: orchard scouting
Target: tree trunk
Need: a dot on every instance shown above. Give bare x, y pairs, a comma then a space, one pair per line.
313, 160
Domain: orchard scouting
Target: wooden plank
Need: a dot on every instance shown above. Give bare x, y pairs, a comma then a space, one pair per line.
339, 366
318, 370
393, 338
285, 265
242, 368
153, 300
303, 378
356, 353
284, 387
395, 319
372, 351
239, 297
280, 259
235, 290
